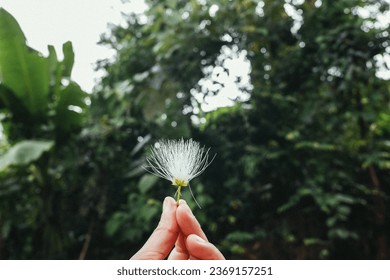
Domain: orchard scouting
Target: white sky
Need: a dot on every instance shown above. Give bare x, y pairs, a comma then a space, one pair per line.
53, 22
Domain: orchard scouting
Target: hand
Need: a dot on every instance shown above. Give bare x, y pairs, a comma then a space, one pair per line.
179, 230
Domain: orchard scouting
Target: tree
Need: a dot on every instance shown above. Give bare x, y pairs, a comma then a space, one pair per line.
41, 109
300, 168
305, 151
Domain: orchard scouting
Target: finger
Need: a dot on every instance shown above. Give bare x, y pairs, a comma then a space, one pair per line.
187, 222
180, 251
200, 249
162, 240
190, 224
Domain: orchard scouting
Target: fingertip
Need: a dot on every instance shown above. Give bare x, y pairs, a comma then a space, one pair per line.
169, 199
183, 206
165, 203
197, 239
188, 222
184, 214
201, 249
182, 201
163, 238
168, 202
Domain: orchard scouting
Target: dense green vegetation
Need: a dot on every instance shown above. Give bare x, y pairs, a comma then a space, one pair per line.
302, 165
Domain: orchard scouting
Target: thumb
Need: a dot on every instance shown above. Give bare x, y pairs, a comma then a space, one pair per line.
162, 240
200, 249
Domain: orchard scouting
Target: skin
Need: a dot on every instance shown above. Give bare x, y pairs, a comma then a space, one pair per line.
178, 236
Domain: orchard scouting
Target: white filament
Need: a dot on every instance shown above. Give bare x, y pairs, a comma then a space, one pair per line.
178, 160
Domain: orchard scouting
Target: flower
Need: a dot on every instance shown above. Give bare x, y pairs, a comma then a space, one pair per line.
178, 161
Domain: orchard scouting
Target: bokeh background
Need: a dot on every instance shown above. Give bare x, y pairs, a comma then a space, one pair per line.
302, 150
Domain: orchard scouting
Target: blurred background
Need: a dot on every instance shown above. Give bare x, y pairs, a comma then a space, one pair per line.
292, 96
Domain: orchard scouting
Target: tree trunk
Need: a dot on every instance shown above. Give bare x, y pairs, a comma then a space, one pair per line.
379, 207
380, 216
2, 256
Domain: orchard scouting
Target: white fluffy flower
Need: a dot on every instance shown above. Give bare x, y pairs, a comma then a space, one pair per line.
178, 161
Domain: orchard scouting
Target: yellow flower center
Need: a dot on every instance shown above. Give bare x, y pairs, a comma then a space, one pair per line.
179, 182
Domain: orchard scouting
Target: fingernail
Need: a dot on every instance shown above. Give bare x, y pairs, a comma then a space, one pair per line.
190, 211
187, 209
200, 240
182, 201
165, 203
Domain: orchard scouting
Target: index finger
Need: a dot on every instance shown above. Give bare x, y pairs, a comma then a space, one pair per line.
187, 222
163, 238
188, 225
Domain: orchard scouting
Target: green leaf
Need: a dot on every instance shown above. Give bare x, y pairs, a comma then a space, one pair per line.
13, 29
6, 229
22, 70
141, 144
69, 111
24, 153
146, 182
114, 223
313, 241
54, 70
240, 236
63, 68
11, 102
68, 61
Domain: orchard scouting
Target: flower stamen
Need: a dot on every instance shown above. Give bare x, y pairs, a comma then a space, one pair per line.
179, 183
178, 161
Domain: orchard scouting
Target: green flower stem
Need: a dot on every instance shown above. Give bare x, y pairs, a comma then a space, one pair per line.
178, 194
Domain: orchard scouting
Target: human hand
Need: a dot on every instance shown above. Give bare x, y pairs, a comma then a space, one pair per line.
179, 230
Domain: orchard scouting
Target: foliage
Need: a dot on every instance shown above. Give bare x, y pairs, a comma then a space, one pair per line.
300, 168
41, 110
291, 177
